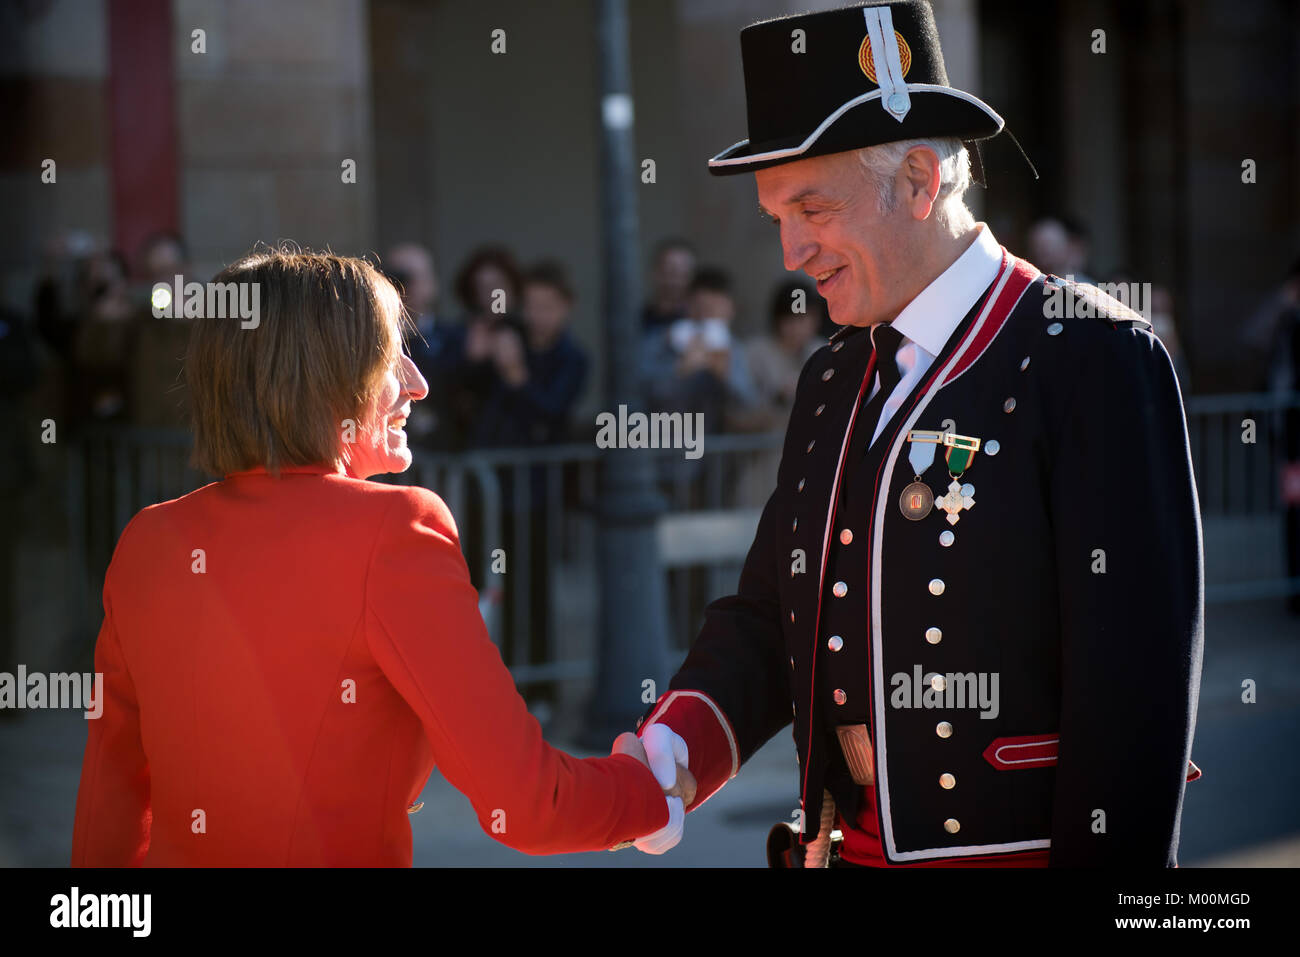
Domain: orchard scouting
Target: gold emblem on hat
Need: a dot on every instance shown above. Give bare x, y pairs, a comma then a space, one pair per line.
869, 67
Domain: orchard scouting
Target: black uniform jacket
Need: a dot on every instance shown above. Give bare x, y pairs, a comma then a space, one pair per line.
1064, 612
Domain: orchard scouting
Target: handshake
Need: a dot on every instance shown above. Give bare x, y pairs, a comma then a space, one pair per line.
664, 752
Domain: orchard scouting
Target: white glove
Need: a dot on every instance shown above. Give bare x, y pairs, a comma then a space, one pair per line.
665, 749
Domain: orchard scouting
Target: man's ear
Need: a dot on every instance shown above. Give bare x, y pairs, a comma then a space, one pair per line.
922, 168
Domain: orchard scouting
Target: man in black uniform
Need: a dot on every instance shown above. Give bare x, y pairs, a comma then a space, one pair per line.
979, 578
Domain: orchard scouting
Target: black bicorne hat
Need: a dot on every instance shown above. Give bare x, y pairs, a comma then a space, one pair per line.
820, 83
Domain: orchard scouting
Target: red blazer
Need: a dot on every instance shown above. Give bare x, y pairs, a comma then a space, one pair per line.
284, 662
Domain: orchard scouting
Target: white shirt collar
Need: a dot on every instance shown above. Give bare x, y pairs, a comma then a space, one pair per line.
930, 318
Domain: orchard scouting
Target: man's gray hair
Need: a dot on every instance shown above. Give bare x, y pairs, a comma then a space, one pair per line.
883, 162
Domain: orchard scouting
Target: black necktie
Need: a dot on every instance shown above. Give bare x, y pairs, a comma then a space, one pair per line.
885, 339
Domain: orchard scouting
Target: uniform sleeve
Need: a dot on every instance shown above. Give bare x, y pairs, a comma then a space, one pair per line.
425, 632
112, 824
732, 693
1129, 561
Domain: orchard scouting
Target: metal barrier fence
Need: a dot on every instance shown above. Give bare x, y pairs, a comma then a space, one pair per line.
528, 518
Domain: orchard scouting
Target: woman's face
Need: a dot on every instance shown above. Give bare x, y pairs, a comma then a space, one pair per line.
380, 445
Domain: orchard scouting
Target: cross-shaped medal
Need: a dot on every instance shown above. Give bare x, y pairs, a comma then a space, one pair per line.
958, 497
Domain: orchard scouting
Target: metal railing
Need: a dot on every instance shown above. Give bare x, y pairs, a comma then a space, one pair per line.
528, 518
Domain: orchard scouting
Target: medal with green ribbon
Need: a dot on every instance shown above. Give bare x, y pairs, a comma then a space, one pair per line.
960, 453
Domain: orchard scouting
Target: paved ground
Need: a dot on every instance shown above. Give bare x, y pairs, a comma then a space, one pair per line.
1243, 811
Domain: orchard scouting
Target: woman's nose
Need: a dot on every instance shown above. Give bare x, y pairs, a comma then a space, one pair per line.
413, 383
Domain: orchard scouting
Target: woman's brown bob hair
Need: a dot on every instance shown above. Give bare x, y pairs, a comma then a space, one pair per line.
279, 392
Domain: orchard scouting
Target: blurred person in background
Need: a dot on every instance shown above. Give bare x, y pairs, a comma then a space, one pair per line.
775, 358
540, 369
333, 650
157, 391
487, 287
694, 364
103, 343
672, 267
436, 344
1059, 247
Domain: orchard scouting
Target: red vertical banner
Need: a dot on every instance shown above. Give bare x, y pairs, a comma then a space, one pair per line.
142, 121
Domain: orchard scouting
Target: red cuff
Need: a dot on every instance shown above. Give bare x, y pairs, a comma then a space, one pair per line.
709, 738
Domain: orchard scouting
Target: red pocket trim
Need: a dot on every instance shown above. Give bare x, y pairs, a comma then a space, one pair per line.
1038, 751
1026, 751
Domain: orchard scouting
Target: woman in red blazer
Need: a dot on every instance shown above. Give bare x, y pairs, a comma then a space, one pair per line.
288, 652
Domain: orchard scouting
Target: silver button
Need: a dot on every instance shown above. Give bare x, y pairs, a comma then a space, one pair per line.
968, 490
810, 445
1024, 363
938, 682
792, 662
1009, 405
846, 536
991, 447
826, 376
835, 643
839, 589
897, 103
947, 782
1055, 329
952, 825
946, 538
820, 409
936, 586
801, 484
839, 696
792, 616
794, 526
933, 635
838, 346
943, 729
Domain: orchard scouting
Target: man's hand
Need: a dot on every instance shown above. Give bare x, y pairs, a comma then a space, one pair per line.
666, 755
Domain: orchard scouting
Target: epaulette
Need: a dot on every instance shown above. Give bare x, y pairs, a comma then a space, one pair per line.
1087, 301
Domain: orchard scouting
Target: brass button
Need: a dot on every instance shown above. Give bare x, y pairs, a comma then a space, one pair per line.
839, 589
835, 643
943, 729
936, 586
952, 825
946, 538
933, 635
415, 807
839, 696
947, 782
846, 536
1009, 405
826, 376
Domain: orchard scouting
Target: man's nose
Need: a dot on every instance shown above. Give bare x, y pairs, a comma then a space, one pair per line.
796, 246
413, 383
